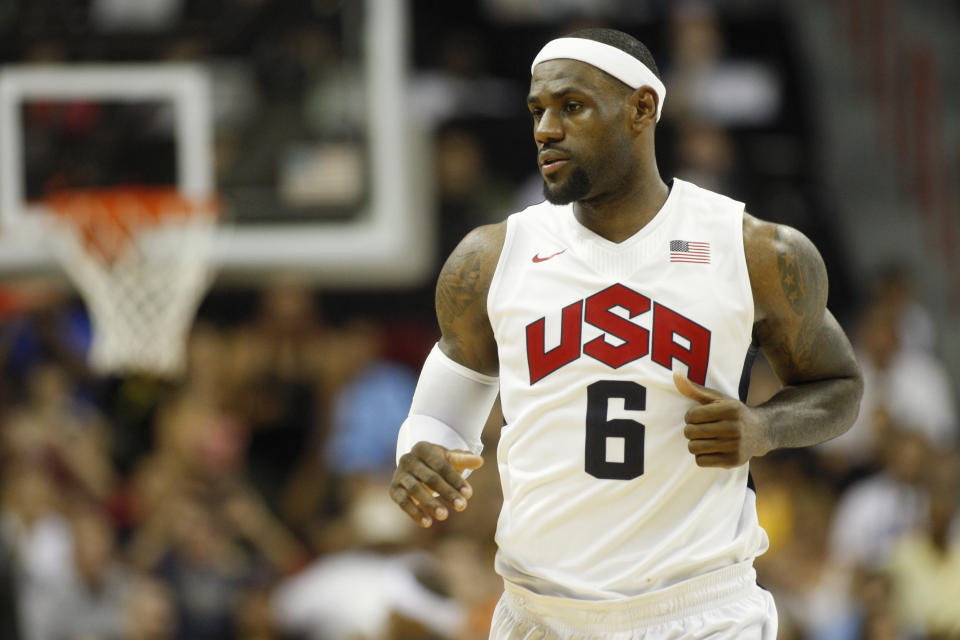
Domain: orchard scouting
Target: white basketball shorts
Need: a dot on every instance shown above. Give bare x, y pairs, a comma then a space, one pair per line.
726, 604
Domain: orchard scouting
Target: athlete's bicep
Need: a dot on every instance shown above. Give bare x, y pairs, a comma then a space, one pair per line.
799, 336
461, 299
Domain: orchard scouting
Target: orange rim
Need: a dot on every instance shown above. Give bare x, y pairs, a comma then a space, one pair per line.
107, 220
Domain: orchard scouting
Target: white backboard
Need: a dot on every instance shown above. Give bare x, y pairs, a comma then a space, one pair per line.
389, 243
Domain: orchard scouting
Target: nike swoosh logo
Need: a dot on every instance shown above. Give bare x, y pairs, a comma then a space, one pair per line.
537, 257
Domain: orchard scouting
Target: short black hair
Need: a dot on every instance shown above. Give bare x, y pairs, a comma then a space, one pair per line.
623, 41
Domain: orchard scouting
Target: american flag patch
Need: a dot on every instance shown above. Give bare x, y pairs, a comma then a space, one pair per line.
686, 251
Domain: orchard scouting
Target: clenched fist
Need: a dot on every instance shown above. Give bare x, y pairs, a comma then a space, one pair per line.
722, 431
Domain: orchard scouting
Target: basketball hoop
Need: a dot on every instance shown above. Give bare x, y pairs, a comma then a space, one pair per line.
140, 258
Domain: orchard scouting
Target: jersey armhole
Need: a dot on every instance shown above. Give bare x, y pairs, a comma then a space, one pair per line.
745, 267
504, 252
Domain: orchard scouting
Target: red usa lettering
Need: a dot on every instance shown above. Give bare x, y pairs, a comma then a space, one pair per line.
596, 311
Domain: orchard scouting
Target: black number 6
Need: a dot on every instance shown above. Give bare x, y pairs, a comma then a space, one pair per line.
599, 428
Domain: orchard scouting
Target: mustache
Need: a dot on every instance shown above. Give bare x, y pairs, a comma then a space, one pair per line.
550, 147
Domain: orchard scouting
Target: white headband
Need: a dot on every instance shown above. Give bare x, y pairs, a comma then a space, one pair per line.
620, 64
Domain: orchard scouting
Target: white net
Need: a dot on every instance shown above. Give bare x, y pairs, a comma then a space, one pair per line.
142, 269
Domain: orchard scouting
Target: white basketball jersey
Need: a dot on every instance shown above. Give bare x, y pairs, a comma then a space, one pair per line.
602, 498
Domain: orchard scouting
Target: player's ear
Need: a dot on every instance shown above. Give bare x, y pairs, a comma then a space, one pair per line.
643, 108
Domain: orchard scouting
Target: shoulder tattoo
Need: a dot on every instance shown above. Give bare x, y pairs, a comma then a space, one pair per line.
461, 299
460, 284
802, 275
803, 281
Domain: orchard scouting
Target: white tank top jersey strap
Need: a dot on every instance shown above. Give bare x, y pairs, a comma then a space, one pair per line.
602, 499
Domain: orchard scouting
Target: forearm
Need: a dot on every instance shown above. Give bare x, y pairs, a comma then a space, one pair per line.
151, 540
450, 406
806, 414
277, 544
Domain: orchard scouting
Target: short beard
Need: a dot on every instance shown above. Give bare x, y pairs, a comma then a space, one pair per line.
577, 187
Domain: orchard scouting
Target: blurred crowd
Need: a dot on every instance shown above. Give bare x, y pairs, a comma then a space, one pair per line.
248, 499
865, 529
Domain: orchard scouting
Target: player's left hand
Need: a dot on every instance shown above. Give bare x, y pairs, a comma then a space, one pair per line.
722, 431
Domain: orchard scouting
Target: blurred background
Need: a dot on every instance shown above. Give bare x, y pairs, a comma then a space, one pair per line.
352, 144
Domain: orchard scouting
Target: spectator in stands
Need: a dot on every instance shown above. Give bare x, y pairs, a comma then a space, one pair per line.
52, 327
373, 586
276, 360
205, 570
908, 386
471, 191
199, 524
374, 391
33, 526
896, 288
150, 613
54, 426
875, 513
464, 560
461, 72
209, 550
875, 615
707, 156
212, 378
92, 602
199, 448
208, 563
253, 619
708, 85
925, 564
813, 593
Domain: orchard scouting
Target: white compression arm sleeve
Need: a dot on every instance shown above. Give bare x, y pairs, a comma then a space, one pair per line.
450, 406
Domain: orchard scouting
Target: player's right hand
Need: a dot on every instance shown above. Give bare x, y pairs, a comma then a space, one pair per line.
428, 482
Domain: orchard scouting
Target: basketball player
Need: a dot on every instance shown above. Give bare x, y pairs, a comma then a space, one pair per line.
616, 321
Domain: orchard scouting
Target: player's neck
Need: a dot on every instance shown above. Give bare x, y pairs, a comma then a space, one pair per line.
617, 216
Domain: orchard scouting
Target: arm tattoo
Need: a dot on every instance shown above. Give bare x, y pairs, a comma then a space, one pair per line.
803, 341
461, 299
804, 286
458, 283
790, 279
